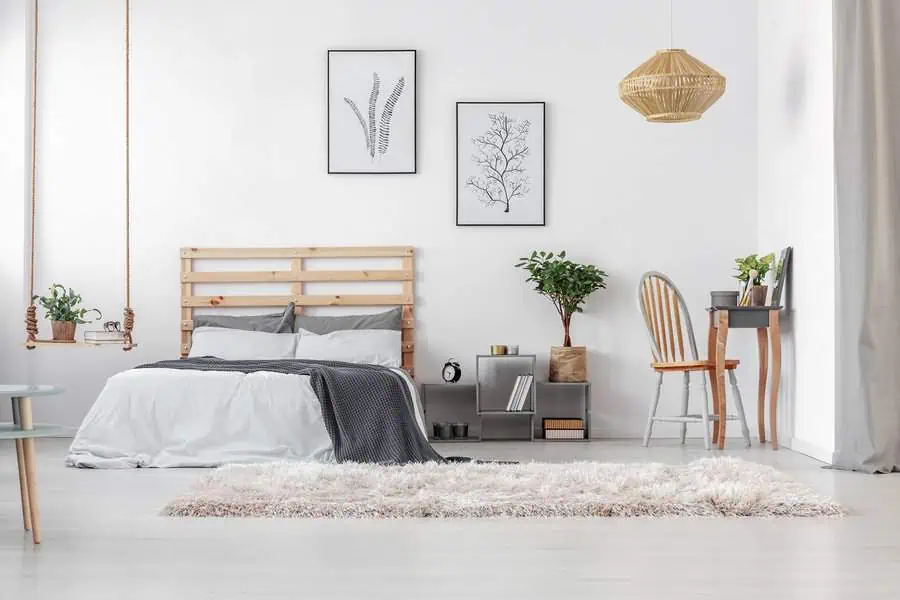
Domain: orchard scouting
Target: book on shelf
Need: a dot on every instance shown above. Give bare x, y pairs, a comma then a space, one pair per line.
564, 434
519, 393
524, 392
104, 337
513, 394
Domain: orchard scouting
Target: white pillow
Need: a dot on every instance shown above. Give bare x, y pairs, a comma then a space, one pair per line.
371, 346
238, 344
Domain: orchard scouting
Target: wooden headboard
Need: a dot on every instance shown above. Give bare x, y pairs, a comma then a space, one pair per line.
297, 276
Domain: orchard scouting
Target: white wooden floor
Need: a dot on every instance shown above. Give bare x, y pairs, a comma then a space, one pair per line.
103, 540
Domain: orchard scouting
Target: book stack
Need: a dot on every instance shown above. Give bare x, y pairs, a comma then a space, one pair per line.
519, 393
104, 337
563, 429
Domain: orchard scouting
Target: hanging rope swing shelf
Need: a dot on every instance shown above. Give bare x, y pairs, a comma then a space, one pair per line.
31, 322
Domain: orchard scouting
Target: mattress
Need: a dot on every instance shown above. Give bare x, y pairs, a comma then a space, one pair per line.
178, 418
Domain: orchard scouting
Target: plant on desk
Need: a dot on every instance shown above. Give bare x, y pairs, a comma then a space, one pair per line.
752, 270
567, 285
64, 312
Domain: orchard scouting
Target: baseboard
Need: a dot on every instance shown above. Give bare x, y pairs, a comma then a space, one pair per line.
810, 450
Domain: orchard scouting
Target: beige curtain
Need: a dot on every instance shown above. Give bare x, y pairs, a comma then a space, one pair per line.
867, 217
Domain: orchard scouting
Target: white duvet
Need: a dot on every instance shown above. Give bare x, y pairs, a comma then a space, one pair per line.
176, 418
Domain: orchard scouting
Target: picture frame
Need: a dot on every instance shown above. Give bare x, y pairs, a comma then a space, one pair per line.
494, 133
782, 273
371, 112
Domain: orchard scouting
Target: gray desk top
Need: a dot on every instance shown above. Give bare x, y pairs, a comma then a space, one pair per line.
29, 391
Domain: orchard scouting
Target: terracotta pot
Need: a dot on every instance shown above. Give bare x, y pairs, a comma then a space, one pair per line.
63, 331
758, 295
568, 364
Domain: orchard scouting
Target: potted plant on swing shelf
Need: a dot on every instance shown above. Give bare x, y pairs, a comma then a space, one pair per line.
567, 285
64, 312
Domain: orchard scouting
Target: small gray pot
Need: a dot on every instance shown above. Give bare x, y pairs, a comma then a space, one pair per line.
460, 430
445, 431
723, 298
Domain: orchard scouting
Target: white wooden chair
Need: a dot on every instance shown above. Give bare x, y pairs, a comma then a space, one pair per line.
668, 323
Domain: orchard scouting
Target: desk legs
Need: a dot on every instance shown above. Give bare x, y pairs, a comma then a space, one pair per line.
20, 459
775, 329
762, 342
26, 422
721, 343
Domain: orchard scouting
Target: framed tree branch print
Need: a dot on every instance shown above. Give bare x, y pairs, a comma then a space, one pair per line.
500, 163
372, 111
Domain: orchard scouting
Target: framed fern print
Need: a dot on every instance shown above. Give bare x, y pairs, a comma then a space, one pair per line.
500, 163
372, 111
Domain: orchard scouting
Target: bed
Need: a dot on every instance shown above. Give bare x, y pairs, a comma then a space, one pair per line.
243, 393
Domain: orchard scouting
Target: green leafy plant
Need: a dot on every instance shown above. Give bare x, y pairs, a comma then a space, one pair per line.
565, 283
754, 267
62, 305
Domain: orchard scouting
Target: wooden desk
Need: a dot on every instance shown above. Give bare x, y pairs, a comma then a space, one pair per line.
766, 321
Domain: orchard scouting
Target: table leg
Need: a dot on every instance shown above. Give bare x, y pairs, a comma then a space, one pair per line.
30, 475
20, 460
711, 355
775, 329
721, 343
762, 343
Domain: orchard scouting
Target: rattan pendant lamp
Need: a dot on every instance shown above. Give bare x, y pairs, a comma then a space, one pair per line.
672, 86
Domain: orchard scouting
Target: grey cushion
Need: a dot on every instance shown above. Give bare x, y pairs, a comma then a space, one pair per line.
391, 319
282, 322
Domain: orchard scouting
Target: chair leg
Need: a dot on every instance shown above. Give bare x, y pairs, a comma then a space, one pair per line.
739, 404
653, 405
685, 395
704, 412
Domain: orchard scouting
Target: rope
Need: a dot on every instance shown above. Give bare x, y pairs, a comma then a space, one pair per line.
128, 325
128, 320
31, 327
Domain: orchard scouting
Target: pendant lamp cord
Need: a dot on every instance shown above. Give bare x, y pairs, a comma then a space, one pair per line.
31, 327
128, 313
671, 29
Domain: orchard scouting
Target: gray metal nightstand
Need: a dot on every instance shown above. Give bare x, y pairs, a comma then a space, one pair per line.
463, 406
493, 386
473, 403
546, 388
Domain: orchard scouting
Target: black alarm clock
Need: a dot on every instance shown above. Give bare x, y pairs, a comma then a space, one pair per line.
451, 371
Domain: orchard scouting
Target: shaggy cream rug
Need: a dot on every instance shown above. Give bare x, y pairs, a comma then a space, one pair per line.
709, 487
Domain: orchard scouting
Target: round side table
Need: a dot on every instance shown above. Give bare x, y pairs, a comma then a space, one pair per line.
24, 431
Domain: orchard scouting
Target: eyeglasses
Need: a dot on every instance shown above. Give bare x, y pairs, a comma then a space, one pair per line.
111, 326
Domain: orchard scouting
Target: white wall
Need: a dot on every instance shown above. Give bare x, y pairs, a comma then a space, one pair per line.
796, 204
13, 151
229, 149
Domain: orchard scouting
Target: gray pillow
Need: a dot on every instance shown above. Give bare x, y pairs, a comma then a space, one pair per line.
391, 319
282, 322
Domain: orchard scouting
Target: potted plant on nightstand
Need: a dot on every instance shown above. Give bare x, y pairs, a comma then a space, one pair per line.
752, 270
63, 311
567, 285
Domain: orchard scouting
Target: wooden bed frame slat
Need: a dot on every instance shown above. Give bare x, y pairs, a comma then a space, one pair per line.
297, 276
299, 300
307, 252
294, 276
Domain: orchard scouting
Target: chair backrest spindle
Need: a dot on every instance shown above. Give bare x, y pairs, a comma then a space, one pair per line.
662, 306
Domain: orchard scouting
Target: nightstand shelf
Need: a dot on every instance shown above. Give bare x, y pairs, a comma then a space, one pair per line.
485, 401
